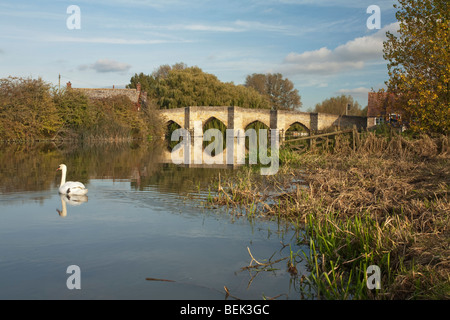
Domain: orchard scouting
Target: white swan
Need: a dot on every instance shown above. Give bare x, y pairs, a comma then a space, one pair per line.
70, 187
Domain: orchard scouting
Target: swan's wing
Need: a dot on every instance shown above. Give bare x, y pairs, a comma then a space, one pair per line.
72, 187
74, 184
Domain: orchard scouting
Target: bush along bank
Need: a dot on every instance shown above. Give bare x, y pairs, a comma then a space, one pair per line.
31, 109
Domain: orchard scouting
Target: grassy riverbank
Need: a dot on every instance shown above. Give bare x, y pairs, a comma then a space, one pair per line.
385, 204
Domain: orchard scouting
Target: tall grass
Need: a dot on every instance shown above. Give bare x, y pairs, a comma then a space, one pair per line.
385, 204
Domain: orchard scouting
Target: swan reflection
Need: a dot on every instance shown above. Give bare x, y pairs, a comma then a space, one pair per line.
72, 200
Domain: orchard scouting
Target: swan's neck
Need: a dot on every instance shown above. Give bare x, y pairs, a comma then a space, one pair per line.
63, 176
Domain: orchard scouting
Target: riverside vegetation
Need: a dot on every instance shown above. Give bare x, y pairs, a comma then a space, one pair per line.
385, 203
31, 109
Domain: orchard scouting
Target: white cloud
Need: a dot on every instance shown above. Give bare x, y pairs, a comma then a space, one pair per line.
204, 27
256, 25
351, 55
232, 26
144, 3
384, 4
360, 92
106, 65
105, 40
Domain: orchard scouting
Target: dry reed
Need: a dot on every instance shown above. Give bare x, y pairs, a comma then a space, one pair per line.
393, 190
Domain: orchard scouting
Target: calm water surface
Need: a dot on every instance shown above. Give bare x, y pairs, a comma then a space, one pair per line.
142, 219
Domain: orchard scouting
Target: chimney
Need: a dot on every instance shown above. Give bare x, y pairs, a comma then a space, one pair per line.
138, 87
69, 85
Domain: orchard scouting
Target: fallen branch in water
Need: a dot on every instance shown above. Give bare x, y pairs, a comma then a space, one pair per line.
260, 264
228, 294
155, 279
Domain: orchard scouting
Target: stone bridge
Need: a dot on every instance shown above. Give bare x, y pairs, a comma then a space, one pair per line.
194, 119
240, 118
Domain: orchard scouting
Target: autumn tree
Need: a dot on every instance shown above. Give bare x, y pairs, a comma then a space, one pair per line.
342, 105
73, 109
419, 63
280, 92
27, 109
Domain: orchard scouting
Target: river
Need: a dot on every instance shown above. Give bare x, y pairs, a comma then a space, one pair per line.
144, 231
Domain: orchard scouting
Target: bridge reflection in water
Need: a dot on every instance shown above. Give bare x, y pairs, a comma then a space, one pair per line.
207, 149
218, 161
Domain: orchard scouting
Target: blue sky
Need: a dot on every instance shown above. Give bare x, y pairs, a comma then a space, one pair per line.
324, 47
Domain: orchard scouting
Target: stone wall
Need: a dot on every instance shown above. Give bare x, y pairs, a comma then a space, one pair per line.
132, 94
135, 95
326, 120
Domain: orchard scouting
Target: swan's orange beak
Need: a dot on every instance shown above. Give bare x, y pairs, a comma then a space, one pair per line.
58, 169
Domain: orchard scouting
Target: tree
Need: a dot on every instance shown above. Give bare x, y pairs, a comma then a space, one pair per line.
27, 110
146, 81
419, 63
338, 105
73, 108
149, 82
163, 71
280, 92
179, 86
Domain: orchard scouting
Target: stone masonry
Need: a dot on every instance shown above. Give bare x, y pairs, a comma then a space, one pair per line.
135, 95
240, 118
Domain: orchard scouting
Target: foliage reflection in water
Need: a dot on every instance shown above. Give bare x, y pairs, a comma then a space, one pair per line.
143, 221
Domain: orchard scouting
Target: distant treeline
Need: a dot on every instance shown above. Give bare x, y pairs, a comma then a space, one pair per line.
31, 109
342, 105
178, 86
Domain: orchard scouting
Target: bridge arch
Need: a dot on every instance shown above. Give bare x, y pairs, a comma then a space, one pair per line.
249, 116
256, 124
204, 114
213, 122
171, 126
171, 116
171, 122
249, 121
296, 126
211, 143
